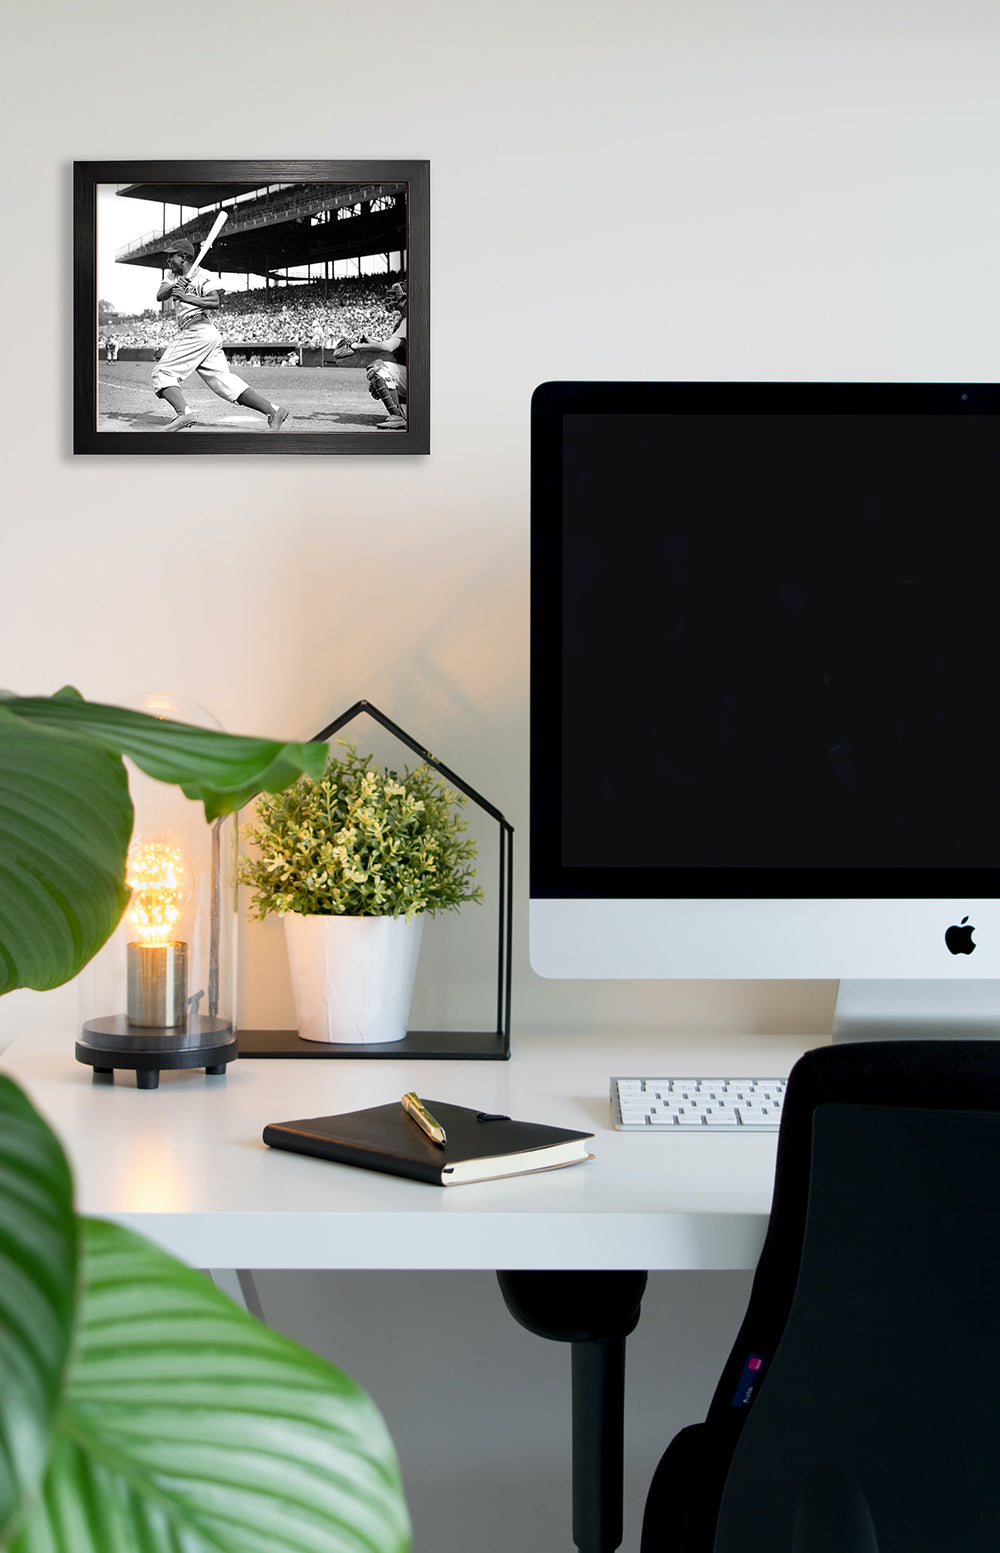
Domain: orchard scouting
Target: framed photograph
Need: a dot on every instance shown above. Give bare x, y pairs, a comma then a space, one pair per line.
251, 307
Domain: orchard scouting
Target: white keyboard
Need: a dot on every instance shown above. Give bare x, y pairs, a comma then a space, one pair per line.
689, 1104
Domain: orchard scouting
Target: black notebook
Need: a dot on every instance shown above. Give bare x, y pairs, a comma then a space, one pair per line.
480, 1147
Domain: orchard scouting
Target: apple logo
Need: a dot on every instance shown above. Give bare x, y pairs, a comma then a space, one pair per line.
959, 938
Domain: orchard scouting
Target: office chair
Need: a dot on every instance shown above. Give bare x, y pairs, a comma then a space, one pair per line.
857, 1411
594, 1312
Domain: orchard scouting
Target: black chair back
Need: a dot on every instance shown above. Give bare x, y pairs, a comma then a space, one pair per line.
856, 1412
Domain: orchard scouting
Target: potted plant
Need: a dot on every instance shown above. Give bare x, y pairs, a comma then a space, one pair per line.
353, 861
139, 1407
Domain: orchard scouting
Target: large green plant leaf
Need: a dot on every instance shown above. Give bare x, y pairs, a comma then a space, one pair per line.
142, 1412
223, 770
66, 816
37, 1293
65, 823
188, 1427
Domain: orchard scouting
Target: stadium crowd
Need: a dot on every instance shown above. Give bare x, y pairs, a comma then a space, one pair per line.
298, 314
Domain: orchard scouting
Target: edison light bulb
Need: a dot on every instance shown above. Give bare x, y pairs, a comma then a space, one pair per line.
161, 881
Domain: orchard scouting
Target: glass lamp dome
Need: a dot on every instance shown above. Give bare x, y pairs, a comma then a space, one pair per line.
161, 993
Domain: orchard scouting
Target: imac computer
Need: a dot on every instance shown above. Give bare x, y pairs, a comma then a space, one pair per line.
765, 690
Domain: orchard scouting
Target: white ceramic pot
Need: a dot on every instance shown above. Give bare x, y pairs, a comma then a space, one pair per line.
352, 976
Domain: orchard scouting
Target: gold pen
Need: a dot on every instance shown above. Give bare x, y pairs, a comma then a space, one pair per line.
414, 1107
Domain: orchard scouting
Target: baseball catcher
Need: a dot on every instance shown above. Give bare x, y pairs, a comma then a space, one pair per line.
387, 371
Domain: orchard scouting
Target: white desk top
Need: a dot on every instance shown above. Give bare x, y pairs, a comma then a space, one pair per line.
185, 1164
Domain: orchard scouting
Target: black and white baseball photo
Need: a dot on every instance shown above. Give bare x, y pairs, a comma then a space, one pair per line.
261, 310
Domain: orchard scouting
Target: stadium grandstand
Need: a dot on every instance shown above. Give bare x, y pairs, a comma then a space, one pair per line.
304, 254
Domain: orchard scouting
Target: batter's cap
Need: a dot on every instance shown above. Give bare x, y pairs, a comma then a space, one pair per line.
181, 245
395, 293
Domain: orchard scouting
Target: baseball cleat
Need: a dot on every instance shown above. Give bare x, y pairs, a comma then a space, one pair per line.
277, 418
180, 421
394, 423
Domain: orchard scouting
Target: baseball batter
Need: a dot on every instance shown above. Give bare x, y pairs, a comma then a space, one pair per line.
197, 345
387, 373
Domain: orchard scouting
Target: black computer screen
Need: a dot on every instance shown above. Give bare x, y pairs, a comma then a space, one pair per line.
767, 661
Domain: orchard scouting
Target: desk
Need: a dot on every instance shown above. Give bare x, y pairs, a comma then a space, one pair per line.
185, 1164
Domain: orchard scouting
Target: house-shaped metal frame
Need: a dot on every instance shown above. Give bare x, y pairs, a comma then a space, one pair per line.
463, 1044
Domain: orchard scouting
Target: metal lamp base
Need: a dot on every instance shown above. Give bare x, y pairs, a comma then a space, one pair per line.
107, 1044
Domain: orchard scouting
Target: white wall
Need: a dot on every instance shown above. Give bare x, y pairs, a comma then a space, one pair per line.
690, 189
677, 188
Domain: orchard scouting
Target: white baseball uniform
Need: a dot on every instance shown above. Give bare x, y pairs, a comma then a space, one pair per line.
197, 345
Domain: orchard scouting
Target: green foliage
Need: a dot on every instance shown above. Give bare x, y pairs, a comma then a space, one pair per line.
223, 770
142, 1412
361, 842
38, 1273
66, 816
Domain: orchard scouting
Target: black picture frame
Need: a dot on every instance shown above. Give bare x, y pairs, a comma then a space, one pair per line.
364, 176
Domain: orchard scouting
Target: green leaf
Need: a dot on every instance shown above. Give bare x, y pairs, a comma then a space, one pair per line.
188, 1427
66, 816
223, 770
65, 823
37, 1291
173, 1422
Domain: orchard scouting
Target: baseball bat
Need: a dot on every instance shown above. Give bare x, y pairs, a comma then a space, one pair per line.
213, 233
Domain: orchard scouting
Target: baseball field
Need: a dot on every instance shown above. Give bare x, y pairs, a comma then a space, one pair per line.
321, 399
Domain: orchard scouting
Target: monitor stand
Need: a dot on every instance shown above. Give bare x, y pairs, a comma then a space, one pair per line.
916, 1010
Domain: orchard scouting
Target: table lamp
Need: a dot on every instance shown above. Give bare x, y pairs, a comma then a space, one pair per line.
160, 994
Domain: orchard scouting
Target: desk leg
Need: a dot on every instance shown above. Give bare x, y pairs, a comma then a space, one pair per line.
239, 1285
